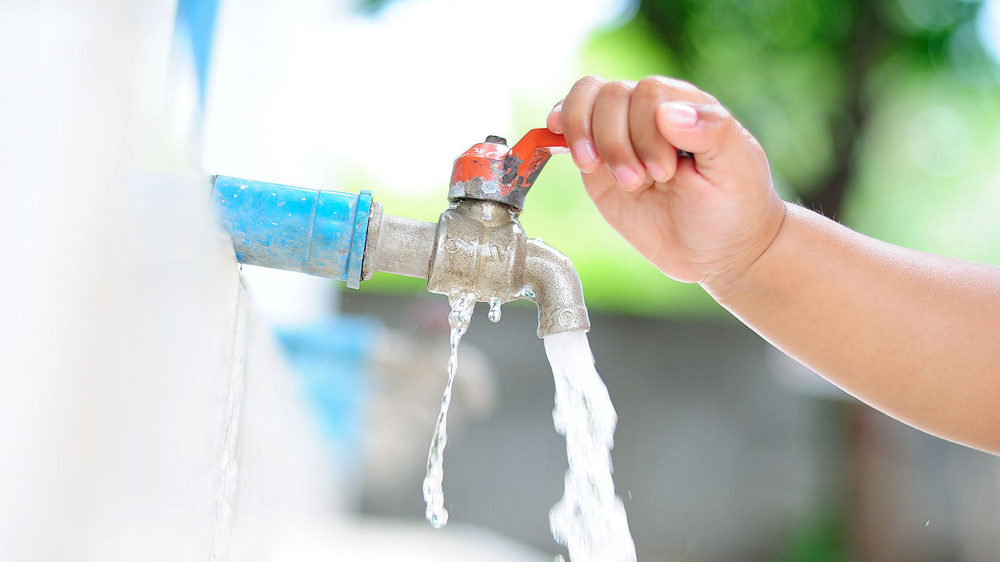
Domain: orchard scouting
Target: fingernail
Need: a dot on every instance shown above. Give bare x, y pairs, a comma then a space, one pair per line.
655, 171
584, 153
554, 122
682, 115
626, 176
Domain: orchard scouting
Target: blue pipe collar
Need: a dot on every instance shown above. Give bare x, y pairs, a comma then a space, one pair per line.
316, 232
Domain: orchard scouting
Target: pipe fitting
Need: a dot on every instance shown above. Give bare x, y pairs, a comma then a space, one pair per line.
397, 245
316, 232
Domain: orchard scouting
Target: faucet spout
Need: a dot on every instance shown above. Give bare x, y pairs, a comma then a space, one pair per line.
549, 275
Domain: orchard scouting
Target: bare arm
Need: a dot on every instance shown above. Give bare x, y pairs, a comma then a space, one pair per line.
912, 334
915, 335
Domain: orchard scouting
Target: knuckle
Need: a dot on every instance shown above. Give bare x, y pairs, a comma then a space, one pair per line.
729, 123
720, 118
676, 84
678, 88
649, 82
589, 81
616, 89
755, 145
647, 90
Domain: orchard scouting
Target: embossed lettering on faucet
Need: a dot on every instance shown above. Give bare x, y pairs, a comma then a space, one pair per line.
498, 251
453, 245
489, 250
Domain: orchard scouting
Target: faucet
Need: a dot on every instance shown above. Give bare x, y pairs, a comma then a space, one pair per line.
477, 246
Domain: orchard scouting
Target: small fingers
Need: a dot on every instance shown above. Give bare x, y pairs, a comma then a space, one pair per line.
657, 155
708, 131
636, 130
611, 135
576, 121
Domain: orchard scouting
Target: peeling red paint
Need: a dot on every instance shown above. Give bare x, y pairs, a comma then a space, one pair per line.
513, 169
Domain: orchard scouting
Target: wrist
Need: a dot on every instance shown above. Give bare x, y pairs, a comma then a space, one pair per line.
734, 279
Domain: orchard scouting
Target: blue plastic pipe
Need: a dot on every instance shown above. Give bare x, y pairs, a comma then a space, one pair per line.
316, 232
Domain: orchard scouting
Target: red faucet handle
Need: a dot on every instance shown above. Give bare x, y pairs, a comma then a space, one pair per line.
540, 139
524, 161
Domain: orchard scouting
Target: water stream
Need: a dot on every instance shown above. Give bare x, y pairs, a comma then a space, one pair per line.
589, 519
462, 306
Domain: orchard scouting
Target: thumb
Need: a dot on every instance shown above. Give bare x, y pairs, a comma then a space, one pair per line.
708, 131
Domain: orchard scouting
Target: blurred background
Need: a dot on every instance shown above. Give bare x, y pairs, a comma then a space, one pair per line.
155, 396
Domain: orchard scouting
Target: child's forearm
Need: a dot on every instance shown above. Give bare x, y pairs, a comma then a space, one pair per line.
913, 334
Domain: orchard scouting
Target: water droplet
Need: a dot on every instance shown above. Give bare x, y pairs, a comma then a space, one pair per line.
494, 309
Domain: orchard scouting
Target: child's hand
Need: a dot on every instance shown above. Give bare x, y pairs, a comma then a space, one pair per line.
704, 219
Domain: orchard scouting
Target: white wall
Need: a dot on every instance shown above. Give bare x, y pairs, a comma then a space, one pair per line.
134, 379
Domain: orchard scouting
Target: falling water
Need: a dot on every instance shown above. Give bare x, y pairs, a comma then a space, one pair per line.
589, 519
462, 306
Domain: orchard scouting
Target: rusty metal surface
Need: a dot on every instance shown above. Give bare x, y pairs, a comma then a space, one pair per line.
489, 171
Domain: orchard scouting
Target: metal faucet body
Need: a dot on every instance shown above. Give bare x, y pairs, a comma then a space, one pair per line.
480, 248
477, 246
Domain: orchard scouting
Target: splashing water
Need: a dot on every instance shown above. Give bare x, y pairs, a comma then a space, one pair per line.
494, 310
462, 306
589, 519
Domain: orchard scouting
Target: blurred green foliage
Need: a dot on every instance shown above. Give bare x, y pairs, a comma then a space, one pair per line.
884, 114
